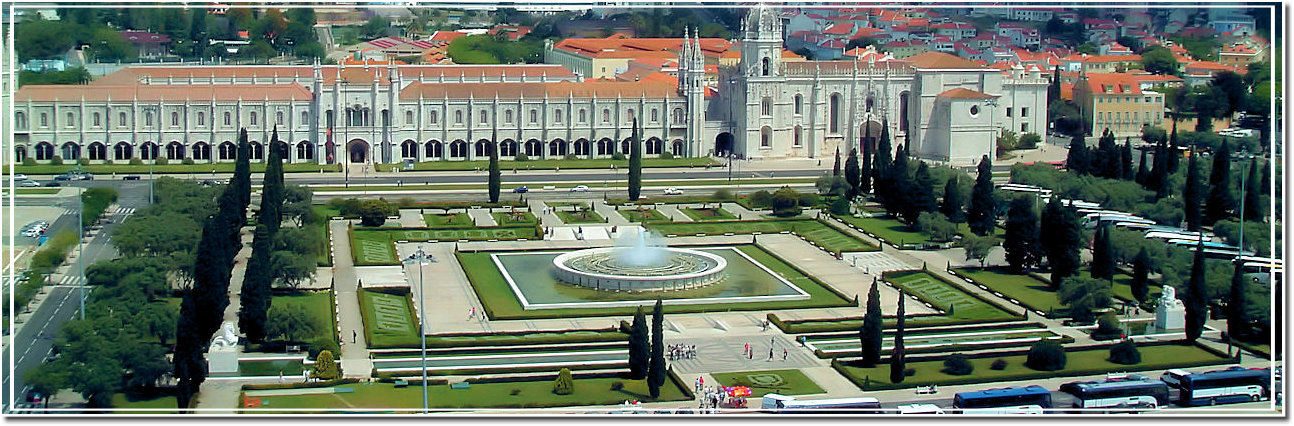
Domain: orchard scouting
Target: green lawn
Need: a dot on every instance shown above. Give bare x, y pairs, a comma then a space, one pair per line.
500, 302
159, 404
451, 220
370, 246
1122, 287
781, 382
520, 217
50, 169
319, 305
708, 213
535, 338
388, 319
37, 191
649, 195
1034, 294
528, 394
824, 235
643, 215
579, 163
946, 296
578, 217
896, 233
289, 367
1093, 361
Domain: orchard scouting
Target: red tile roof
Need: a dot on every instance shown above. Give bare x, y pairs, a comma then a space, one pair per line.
585, 89
940, 60
964, 93
145, 92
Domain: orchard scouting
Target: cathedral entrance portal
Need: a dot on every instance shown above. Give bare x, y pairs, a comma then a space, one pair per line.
358, 150
723, 144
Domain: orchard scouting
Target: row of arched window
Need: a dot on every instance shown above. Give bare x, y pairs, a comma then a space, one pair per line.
123, 151
509, 148
98, 121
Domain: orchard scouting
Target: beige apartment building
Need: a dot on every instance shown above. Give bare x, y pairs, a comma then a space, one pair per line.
1117, 101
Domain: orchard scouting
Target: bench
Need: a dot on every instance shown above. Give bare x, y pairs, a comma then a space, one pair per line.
400, 383
460, 385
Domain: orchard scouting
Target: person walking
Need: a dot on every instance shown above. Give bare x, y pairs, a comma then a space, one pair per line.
770, 354
354, 336
784, 353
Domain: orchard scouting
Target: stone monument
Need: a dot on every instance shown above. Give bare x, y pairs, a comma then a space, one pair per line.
222, 357
1170, 315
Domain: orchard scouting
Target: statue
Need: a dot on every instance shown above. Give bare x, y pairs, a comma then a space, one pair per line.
222, 357
1170, 314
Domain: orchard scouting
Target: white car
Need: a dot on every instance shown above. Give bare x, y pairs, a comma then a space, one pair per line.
28, 183
580, 188
19, 176
673, 191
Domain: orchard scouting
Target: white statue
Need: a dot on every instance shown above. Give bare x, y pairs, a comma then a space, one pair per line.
222, 357
1170, 315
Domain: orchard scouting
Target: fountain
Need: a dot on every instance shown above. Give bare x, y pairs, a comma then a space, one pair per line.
639, 262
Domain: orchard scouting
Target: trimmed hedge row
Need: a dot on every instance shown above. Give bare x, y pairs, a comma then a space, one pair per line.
517, 369
833, 325
306, 385
942, 349
527, 338
987, 326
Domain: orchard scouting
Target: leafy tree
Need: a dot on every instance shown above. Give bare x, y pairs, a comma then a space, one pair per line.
635, 163
290, 323
840, 206
1006, 141
639, 346
564, 384
1196, 300
375, 212
1191, 195
1234, 91
937, 226
656, 367
1237, 304
785, 202
1021, 243
1063, 241
495, 179
1159, 60
981, 215
1102, 261
1029, 140
376, 27
1084, 296
1046, 355
198, 26
72, 75
1125, 353
325, 367
977, 247
1221, 200
43, 39
954, 204
871, 334
1140, 276
897, 361
852, 173
257, 50
107, 45
1076, 160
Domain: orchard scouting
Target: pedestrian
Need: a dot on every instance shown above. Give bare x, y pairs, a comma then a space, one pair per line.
280, 376
354, 336
784, 353
770, 354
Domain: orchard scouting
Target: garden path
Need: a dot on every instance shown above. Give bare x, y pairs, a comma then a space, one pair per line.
354, 350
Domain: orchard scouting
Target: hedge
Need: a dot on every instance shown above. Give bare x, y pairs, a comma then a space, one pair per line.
886, 277
306, 385
436, 341
517, 369
942, 349
832, 325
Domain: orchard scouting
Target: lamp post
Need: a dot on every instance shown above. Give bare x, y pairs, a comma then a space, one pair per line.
1240, 247
992, 134
421, 258
80, 247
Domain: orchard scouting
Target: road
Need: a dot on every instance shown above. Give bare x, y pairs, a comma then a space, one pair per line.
34, 340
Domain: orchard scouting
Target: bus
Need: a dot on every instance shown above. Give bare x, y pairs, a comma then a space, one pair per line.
1212, 249
1092, 220
1026, 189
1166, 233
1080, 204
1032, 399
1140, 393
774, 403
1236, 384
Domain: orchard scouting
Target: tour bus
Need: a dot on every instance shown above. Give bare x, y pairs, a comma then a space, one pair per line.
1141, 393
1167, 233
1092, 220
1262, 264
1212, 249
1026, 189
920, 409
1080, 204
782, 404
1031, 399
1134, 225
1236, 384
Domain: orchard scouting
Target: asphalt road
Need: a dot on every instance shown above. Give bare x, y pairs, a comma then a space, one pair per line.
33, 342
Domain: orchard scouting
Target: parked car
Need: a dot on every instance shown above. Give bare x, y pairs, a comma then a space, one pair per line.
20, 176
63, 177
130, 177
673, 191
520, 190
28, 183
580, 188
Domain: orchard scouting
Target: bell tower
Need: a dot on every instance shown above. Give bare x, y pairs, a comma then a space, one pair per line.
761, 43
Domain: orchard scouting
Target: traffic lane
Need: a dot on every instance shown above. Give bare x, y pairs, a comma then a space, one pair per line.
29, 348
555, 195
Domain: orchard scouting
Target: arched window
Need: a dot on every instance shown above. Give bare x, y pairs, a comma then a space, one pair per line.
765, 71
485, 117
408, 117
583, 116
871, 102
20, 120
148, 151
71, 151
655, 115
278, 118
96, 120
678, 115
44, 120
122, 151
799, 136
148, 118
507, 117
252, 118
305, 117
44, 151
175, 118
201, 151
765, 137
606, 115
766, 107
799, 103
305, 151
534, 116
227, 151
833, 114
629, 118
458, 117
202, 118
386, 117
903, 112
435, 117
97, 151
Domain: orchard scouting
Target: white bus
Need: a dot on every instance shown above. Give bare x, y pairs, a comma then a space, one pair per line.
1140, 393
1165, 233
775, 403
1026, 189
920, 409
1095, 219
1236, 384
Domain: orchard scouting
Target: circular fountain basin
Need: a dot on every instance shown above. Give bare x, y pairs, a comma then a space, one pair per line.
601, 269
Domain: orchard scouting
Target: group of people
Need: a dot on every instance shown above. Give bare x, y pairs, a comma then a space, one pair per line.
712, 398
749, 351
681, 351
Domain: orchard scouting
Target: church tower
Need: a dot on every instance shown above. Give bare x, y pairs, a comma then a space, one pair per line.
761, 43
691, 84
761, 117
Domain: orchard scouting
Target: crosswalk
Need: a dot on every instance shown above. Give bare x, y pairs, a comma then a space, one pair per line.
126, 211
71, 280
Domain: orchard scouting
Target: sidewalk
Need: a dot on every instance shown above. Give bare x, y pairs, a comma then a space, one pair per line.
354, 348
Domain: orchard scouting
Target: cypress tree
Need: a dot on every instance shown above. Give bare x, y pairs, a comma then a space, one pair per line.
242, 179
1125, 162
1173, 158
922, 193
1141, 276
881, 164
203, 305
865, 169
1266, 181
1053, 89
656, 368
1143, 172
1221, 200
255, 295
496, 177
871, 334
639, 346
1157, 180
635, 164
900, 183
1191, 195
1196, 302
1255, 209
954, 204
1237, 323
982, 212
1063, 240
1104, 162
851, 173
1077, 158
897, 364
1021, 240
835, 170
1102, 254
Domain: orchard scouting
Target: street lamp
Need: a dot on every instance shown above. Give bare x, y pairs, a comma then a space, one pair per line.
992, 134
421, 258
80, 247
1240, 249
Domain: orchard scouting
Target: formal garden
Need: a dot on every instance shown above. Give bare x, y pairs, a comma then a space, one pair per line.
781, 382
817, 232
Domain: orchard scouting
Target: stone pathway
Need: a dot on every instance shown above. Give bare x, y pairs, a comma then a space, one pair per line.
874, 262
213, 393
549, 219
410, 218
742, 212
482, 217
673, 213
613, 217
354, 347
725, 353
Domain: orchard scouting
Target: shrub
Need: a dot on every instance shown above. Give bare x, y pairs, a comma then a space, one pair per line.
570, 157
83, 161
107, 161
786, 202
617, 385
57, 161
761, 199
666, 155
161, 161
522, 157
840, 206
958, 365
937, 226
136, 162
1125, 353
723, 194
909, 372
187, 161
564, 384
325, 367
375, 212
809, 199
1046, 356
999, 364
29, 161
1028, 141
619, 156
1107, 327
515, 392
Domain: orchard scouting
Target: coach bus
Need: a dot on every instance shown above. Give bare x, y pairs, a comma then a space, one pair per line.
775, 403
1235, 384
1142, 393
1031, 399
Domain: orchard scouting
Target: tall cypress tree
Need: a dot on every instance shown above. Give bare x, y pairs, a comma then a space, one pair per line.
835, 170
1077, 158
1102, 254
1237, 322
635, 164
922, 194
1255, 209
870, 335
1143, 172
242, 179
203, 305
1063, 240
1173, 157
982, 212
897, 362
656, 368
900, 182
1141, 276
1196, 302
1221, 201
255, 295
954, 204
851, 173
496, 177
1104, 162
881, 164
639, 346
865, 169
1021, 240
1266, 181
1192, 195
1125, 161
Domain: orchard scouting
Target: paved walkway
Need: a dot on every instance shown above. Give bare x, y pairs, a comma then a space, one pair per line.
672, 212
214, 393
354, 347
742, 212
482, 217
613, 216
410, 218
726, 353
